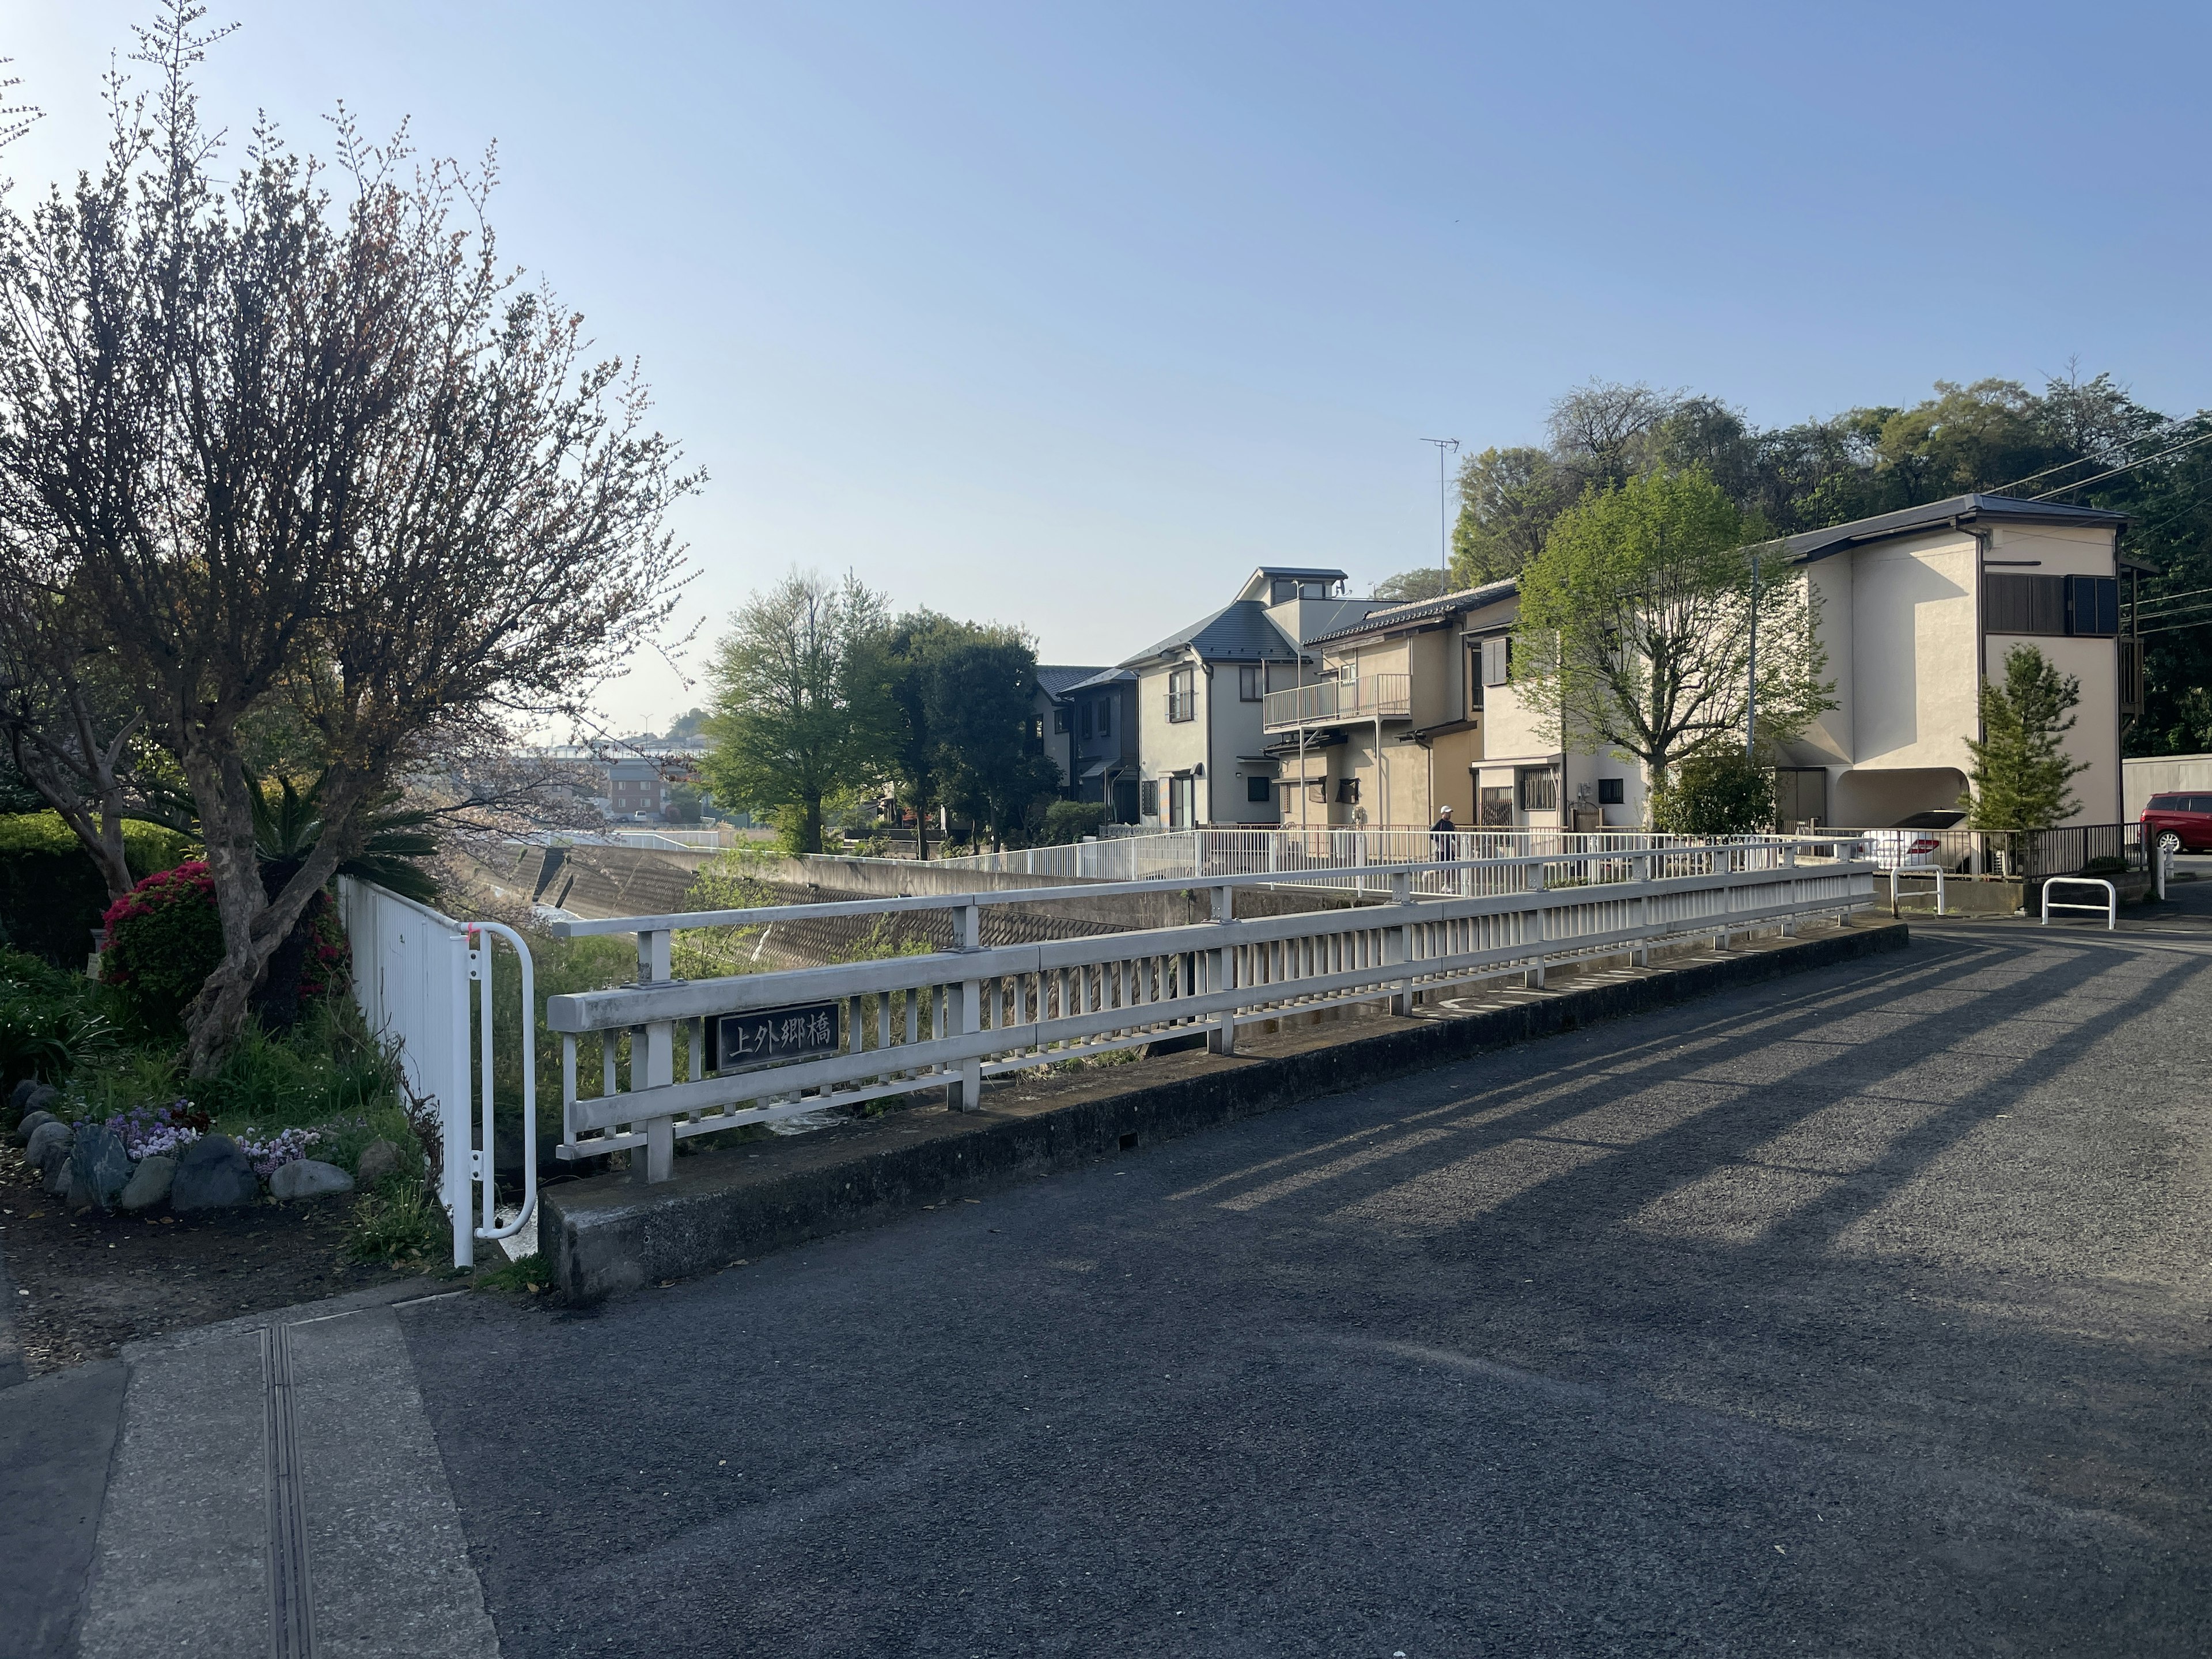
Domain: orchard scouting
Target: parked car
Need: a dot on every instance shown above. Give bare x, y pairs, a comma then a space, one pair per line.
2178, 824
1909, 844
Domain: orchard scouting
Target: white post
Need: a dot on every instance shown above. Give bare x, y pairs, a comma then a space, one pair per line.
656, 1160
1220, 969
967, 1095
1394, 942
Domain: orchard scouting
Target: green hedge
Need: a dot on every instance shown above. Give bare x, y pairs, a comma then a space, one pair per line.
51, 897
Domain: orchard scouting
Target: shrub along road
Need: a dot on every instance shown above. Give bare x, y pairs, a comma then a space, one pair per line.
1861, 1312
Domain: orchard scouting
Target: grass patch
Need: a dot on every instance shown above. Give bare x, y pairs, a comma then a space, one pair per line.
532, 1275
399, 1223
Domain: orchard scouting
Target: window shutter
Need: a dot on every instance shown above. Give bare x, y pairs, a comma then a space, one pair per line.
1497, 659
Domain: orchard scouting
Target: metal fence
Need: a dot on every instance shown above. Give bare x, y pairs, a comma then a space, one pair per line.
2025, 855
412, 968
759, 1047
1356, 861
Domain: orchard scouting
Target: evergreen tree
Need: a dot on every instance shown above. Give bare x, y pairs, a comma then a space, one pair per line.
2021, 771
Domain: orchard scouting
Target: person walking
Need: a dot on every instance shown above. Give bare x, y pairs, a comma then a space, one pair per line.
1441, 832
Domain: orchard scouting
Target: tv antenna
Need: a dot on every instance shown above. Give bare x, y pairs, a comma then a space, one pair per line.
1444, 446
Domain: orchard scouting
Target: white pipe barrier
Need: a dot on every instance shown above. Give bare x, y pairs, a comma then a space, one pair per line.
412, 970
763, 1046
2111, 907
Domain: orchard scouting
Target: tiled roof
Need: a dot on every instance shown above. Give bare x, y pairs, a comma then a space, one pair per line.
1103, 677
1238, 632
1054, 679
1467, 598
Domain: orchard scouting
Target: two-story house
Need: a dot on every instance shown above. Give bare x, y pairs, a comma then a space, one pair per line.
1916, 607
1104, 735
1202, 753
1413, 706
1053, 718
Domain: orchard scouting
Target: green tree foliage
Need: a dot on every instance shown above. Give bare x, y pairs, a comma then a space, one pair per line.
2023, 774
1637, 619
965, 696
1410, 587
800, 709
1986, 436
1507, 498
1722, 791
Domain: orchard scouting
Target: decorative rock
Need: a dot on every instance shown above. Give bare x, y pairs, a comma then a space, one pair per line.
43, 1098
19, 1094
213, 1175
29, 1127
42, 1144
150, 1183
307, 1177
99, 1167
378, 1159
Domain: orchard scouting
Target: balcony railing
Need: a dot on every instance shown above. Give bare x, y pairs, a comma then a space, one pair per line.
1371, 697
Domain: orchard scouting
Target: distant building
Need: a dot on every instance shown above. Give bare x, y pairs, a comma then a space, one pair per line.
635, 789
1105, 742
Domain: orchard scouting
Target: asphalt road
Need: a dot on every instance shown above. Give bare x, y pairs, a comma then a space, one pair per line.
1860, 1313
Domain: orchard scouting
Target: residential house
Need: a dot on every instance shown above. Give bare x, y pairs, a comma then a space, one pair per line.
1413, 706
1202, 754
1105, 739
1916, 607
1052, 719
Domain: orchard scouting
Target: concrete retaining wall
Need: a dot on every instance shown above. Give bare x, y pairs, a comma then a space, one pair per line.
608, 1234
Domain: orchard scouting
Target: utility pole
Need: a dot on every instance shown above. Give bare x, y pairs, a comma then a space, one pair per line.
1444, 446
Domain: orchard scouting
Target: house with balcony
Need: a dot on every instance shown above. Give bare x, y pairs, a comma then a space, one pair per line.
1202, 754
1103, 722
1412, 707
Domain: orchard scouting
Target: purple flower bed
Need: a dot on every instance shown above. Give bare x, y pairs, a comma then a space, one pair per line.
150, 1131
269, 1156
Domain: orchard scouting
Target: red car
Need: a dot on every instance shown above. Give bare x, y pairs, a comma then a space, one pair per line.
2179, 823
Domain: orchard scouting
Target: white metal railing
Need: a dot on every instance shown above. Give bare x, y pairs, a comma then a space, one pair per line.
684, 838
1352, 861
2110, 908
412, 968
764, 1047
1370, 696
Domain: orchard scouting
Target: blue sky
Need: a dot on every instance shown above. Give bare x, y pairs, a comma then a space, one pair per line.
1070, 316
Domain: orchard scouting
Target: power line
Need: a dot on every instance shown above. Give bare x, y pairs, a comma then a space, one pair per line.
2201, 438
2166, 430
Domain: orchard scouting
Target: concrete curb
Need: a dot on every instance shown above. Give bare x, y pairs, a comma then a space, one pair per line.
607, 1235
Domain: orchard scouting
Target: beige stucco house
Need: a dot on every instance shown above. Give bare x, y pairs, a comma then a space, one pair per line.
1413, 706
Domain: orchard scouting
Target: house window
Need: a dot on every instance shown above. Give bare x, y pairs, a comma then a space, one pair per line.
2024, 604
1539, 788
1059, 718
1148, 798
1348, 792
1083, 722
1474, 676
1496, 811
1317, 791
1497, 659
2093, 605
1106, 719
1612, 791
1348, 671
1183, 696
1258, 790
1180, 798
1251, 683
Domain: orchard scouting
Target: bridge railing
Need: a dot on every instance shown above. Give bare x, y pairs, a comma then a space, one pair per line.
763, 1046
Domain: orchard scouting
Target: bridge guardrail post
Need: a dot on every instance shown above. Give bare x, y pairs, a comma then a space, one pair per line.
1394, 944
658, 1161
967, 1095
1220, 971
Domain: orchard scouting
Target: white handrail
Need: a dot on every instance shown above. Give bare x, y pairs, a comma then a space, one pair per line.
2111, 907
488, 1172
1008, 1007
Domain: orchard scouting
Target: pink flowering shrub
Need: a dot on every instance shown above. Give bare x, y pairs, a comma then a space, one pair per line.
165, 937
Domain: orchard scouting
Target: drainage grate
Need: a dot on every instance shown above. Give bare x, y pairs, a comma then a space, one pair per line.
1128, 1141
